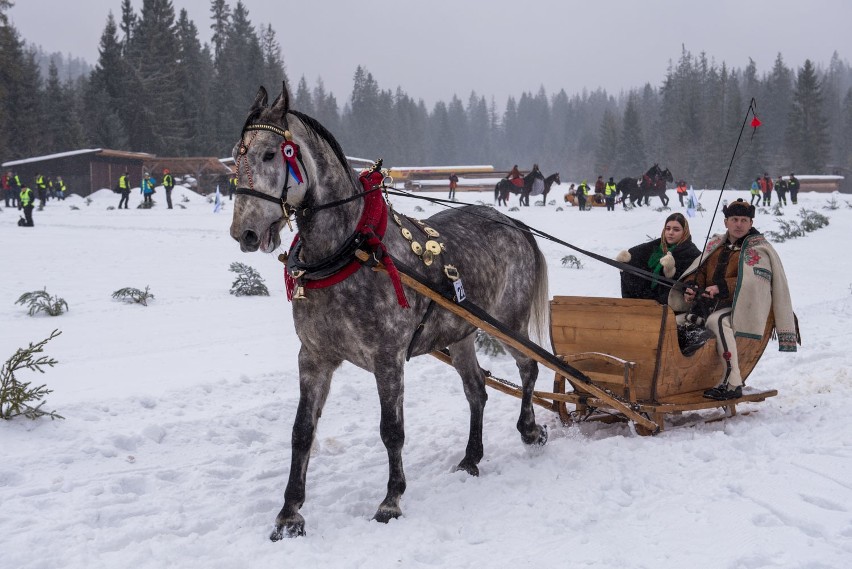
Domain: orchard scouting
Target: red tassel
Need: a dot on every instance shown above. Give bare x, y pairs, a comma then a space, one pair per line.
755, 122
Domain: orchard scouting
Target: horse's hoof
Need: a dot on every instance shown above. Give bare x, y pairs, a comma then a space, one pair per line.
542, 439
385, 514
468, 467
291, 528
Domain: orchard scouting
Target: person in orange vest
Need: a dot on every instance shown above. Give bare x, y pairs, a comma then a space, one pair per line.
681, 191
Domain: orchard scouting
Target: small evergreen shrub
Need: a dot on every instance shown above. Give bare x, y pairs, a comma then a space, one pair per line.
75, 208
811, 221
133, 295
41, 301
89, 201
777, 211
551, 202
539, 202
419, 209
831, 204
559, 209
248, 281
662, 208
19, 398
488, 345
514, 208
572, 262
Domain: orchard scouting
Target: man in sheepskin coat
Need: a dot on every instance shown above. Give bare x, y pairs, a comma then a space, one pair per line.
739, 279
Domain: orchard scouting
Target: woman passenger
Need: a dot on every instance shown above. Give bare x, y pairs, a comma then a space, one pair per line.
670, 255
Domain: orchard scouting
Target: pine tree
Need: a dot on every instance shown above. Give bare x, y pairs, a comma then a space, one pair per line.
274, 73
128, 23
65, 131
607, 153
103, 93
631, 148
221, 15
807, 133
195, 82
303, 99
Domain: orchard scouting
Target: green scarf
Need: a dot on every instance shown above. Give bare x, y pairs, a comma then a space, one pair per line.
654, 261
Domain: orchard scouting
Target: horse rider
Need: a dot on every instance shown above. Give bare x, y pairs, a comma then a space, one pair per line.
515, 175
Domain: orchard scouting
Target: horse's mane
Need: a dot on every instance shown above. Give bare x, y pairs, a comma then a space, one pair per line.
322, 132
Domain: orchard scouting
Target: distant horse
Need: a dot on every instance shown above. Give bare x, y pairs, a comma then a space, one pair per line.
288, 163
548, 182
505, 187
652, 183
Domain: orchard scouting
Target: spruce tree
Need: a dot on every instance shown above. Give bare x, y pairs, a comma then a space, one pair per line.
607, 152
195, 82
631, 147
807, 132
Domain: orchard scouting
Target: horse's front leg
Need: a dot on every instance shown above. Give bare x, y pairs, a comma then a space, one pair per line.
315, 373
389, 381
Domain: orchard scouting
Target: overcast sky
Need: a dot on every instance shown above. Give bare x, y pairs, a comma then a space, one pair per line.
433, 49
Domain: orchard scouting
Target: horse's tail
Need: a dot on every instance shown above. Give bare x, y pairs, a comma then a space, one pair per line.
539, 323
497, 192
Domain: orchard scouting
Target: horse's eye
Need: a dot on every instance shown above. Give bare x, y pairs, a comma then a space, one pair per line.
268, 156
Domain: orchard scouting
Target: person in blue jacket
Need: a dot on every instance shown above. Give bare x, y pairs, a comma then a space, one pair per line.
147, 190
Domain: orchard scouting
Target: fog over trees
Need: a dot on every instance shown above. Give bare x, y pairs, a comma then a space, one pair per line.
156, 88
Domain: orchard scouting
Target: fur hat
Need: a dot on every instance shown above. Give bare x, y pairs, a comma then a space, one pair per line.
738, 207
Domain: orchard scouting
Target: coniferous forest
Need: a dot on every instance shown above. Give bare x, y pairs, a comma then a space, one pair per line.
156, 88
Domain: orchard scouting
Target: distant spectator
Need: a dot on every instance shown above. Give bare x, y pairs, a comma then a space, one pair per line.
232, 186
41, 188
755, 192
766, 187
609, 194
781, 190
124, 189
454, 181
681, 191
26, 203
793, 186
168, 184
582, 194
60, 188
6, 188
146, 188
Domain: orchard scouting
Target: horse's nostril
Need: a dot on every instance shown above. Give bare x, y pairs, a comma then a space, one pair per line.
249, 238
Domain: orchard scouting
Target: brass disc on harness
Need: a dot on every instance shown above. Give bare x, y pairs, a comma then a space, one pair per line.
406, 233
431, 232
396, 219
427, 257
433, 247
417, 248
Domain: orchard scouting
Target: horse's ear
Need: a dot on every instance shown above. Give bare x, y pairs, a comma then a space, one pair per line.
282, 103
260, 99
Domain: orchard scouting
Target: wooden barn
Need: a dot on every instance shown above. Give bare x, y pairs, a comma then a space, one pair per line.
208, 172
84, 171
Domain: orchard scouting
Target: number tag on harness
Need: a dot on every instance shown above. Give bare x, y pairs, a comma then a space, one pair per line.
460, 295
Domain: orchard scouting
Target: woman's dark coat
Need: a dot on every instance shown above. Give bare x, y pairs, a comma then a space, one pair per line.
633, 286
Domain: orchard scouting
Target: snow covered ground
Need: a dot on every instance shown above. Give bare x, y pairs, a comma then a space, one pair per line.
175, 447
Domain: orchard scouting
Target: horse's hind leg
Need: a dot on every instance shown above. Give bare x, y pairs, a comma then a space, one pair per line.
531, 432
314, 382
463, 354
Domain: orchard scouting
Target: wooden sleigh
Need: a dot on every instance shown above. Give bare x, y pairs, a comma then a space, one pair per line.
621, 357
593, 200
630, 348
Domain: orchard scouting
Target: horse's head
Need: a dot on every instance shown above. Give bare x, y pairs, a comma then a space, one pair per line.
557, 180
654, 171
285, 160
667, 175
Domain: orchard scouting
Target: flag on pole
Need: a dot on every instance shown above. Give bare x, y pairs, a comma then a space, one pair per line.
217, 205
691, 202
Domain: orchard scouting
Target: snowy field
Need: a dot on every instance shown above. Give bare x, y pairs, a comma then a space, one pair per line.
175, 447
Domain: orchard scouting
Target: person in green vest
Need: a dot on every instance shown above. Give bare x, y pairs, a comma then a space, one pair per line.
609, 194
168, 184
26, 202
15, 182
124, 189
582, 194
60, 188
232, 186
41, 187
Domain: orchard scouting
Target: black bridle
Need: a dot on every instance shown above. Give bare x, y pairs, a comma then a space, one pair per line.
286, 208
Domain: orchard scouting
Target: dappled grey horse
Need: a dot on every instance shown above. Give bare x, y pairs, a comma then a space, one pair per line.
289, 164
